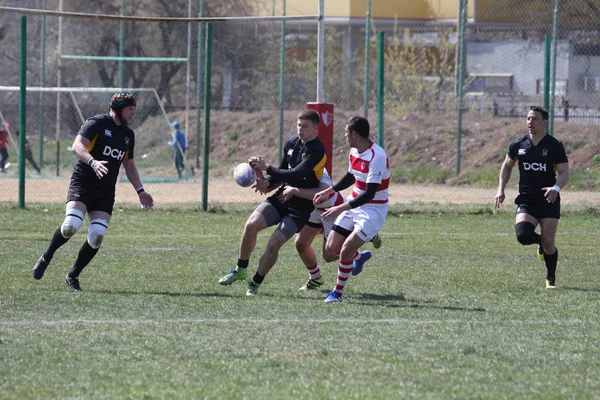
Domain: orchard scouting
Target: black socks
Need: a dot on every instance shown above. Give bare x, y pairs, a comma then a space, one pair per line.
86, 253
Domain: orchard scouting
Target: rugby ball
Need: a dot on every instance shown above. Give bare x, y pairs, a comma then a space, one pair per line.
244, 175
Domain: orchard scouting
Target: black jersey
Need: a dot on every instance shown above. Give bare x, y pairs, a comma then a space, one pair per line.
537, 165
302, 163
108, 142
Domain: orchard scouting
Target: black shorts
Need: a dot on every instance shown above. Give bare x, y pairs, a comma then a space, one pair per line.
297, 209
95, 197
540, 210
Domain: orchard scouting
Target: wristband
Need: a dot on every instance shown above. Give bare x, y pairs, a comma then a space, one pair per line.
556, 188
91, 162
140, 190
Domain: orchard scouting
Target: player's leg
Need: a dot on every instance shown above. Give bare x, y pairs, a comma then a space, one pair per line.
263, 216
550, 215
549, 227
376, 241
98, 226
349, 248
368, 221
341, 230
74, 214
288, 227
526, 221
303, 243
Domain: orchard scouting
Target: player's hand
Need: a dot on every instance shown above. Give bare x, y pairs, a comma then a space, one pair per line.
322, 196
550, 194
287, 193
499, 199
261, 186
146, 200
100, 168
259, 164
252, 160
332, 213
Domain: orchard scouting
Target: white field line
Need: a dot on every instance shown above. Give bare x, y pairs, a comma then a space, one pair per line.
391, 321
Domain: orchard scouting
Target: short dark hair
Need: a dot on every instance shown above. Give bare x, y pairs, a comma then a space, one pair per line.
310, 115
541, 110
359, 125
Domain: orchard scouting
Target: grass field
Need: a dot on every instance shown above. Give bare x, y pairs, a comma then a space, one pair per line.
450, 307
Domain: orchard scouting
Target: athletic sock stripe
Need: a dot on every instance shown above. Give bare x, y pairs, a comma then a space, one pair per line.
75, 215
339, 289
98, 223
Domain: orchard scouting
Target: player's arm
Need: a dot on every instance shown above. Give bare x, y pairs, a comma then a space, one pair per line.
505, 172
304, 193
80, 149
563, 174
366, 196
344, 183
551, 193
260, 165
296, 175
134, 177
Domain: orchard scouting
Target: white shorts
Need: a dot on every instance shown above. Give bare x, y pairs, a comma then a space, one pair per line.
366, 220
316, 218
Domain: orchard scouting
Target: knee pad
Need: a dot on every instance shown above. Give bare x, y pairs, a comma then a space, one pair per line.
96, 232
72, 223
525, 232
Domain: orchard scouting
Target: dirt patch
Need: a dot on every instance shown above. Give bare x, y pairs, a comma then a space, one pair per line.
222, 191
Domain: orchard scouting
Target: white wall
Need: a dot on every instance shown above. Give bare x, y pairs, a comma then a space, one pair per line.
579, 67
524, 60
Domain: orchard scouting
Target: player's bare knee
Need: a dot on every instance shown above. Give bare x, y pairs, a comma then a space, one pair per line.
301, 245
96, 232
252, 226
72, 223
329, 257
548, 245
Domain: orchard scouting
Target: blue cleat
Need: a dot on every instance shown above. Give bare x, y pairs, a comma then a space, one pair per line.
333, 297
357, 267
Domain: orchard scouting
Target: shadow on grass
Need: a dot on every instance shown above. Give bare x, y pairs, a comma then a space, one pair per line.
170, 294
576, 289
394, 300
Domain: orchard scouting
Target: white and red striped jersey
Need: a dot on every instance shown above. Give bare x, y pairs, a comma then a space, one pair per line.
335, 199
370, 166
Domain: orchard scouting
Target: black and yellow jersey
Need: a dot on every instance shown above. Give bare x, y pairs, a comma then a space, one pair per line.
537, 165
108, 142
302, 164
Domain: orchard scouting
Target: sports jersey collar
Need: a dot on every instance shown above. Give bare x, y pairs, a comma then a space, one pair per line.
541, 140
371, 143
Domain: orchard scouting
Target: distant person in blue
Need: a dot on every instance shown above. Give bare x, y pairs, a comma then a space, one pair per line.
179, 145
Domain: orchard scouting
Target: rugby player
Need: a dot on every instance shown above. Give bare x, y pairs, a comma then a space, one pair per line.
540, 156
359, 219
103, 143
302, 166
316, 225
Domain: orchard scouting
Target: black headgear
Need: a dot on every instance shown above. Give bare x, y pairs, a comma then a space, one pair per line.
121, 100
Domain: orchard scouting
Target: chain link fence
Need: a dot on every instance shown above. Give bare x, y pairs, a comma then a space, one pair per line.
505, 61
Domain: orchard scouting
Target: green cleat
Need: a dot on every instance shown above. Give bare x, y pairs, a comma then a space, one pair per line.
313, 284
252, 289
236, 274
376, 241
540, 253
